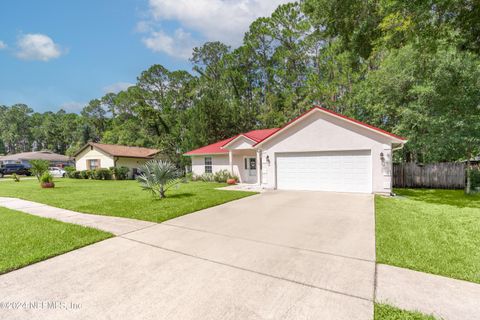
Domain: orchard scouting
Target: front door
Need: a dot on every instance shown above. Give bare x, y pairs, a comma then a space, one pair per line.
251, 167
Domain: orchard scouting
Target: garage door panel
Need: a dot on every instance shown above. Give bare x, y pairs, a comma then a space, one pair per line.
343, 171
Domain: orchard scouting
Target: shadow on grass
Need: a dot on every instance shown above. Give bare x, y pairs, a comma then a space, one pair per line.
456, 198
180, 195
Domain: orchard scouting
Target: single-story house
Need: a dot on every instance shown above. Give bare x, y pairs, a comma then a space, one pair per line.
55, 159
320, 150
99, 155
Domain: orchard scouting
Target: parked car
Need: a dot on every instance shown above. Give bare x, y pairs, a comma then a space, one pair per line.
19, 169
57, 172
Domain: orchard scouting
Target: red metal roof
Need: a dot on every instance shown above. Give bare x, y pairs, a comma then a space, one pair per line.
216, 148
261, 135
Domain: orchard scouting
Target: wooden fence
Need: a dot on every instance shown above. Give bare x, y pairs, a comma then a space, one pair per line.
445, 175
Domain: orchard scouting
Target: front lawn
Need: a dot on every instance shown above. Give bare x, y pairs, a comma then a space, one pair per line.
386, 312
434, 231
122, 198
26, 239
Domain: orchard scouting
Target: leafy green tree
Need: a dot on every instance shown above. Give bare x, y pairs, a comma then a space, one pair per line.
95, 119
408, 67
430, 98
15, 128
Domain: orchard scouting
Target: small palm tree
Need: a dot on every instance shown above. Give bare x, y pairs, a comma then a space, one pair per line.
158, 176
38, 167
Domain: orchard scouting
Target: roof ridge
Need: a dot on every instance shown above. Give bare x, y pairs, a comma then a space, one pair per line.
122, 145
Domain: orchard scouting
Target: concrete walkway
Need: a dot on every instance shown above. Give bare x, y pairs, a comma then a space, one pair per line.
115, 225
443, 297
279, 255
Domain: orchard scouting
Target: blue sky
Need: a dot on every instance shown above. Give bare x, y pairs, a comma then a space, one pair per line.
61, 54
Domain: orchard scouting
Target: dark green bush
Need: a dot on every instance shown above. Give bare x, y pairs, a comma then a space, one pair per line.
475, 179
69, 170
84, 174
75, 174
102, 174
120, 173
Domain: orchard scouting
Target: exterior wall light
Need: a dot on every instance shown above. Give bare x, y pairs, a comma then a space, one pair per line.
268, 160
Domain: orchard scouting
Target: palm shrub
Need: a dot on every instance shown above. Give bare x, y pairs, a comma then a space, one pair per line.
46, 180
158, 176
38, 167
46, 177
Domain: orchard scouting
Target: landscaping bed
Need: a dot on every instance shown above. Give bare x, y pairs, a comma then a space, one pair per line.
434, 231
26, 239
123, 198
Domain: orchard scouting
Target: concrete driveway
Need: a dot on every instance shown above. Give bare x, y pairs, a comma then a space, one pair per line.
278, 255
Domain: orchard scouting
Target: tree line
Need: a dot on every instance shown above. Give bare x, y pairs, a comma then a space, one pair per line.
412, 68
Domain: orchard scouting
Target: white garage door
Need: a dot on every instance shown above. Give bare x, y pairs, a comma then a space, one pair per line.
345, 171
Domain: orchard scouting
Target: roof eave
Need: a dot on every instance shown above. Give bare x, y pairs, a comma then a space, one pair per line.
204, 154
136, 157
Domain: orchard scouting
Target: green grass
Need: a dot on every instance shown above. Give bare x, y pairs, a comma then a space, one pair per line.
434, 231
122, 198
386, 312
26, 239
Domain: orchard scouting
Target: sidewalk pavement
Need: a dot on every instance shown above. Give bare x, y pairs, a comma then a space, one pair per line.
115, 225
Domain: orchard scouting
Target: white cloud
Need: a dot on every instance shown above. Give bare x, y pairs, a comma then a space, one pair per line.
117, 87
144, 26
180, 44
3, 45
73, 106
222, 20
37, 47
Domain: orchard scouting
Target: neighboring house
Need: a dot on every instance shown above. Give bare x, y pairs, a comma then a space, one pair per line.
99, 155
320, 150
55, 159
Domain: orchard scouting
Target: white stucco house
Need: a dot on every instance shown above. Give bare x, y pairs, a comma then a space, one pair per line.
99, 155
320, 150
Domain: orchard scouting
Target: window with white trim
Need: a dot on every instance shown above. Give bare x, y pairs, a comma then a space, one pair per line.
208, 164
